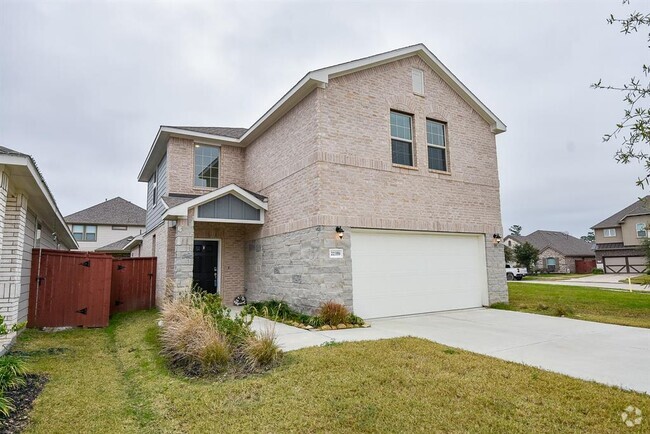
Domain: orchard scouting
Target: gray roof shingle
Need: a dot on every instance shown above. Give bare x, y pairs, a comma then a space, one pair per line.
231, 132
116, 211
640, 207
116, 246
559, 241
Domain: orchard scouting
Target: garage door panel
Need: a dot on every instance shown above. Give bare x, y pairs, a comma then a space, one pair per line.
400, 273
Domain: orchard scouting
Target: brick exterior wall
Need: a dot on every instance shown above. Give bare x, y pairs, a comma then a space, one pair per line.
327, 162
180, 167
164, 251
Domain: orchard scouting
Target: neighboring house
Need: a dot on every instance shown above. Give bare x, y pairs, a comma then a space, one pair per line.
558, 251
108, 227
619, 239
373, 183
29, 218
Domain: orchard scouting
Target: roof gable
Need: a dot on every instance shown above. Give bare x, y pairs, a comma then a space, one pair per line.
116, 211
558, 241
246, 197
640, 207
312, 80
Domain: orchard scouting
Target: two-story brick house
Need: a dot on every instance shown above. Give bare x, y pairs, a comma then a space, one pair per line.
620, 237
373, 183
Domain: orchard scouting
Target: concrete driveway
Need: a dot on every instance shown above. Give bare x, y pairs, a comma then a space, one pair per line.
609, 354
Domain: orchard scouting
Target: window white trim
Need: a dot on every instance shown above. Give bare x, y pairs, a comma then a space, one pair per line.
401, 139
609, 233
643, 229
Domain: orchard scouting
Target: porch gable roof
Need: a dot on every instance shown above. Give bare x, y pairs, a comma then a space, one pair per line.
181, 211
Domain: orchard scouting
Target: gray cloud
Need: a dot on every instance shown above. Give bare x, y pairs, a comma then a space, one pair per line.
85, 85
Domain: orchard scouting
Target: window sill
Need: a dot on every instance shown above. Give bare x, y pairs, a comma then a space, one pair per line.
404, 166
440, 172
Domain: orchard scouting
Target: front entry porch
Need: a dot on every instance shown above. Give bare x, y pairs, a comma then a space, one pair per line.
209, 238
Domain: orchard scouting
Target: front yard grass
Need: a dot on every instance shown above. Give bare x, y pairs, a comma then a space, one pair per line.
643, 279
553, 276
114, 380
591, 304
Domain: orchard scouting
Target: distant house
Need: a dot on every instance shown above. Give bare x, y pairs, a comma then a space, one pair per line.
558, 251
111, 227
619, 238
29, 218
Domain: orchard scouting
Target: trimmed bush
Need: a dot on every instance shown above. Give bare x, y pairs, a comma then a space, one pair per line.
597, 271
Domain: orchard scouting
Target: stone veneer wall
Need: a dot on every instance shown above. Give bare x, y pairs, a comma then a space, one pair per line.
496, 272
295, 267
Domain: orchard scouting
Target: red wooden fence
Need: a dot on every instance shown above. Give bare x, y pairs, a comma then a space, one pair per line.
133, 284
584, 266
84, 288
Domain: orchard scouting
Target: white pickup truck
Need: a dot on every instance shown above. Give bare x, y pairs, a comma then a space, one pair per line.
513, 273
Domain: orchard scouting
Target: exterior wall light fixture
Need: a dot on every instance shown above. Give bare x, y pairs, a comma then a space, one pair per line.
339, 232
496, 239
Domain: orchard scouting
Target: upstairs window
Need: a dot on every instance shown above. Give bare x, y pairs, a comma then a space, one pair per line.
206, 166
84, 232
641, 231
436, 145
401, 138
609, 233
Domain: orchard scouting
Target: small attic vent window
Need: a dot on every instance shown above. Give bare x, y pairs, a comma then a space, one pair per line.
418, 81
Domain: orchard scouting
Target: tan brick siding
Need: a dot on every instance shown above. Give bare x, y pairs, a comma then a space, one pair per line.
180, 166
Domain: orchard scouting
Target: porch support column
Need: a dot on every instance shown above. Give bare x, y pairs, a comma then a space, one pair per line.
184, 255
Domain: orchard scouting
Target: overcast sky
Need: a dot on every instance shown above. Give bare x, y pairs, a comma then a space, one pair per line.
85, 85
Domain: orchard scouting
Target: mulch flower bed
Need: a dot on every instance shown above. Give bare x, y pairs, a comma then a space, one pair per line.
23, 398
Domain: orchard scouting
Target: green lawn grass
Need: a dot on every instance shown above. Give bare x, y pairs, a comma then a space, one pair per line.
114, 380
553, 276
592, 304
643, 279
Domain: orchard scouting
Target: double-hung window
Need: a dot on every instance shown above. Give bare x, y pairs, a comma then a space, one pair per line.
401, 138
437, 145
206, 166
609, 233
641, 231
84, 232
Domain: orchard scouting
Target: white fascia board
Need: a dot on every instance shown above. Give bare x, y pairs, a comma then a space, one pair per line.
181, 211
249, 222
134, 242
17, 160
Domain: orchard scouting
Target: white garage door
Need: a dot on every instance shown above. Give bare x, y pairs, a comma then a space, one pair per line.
401, 273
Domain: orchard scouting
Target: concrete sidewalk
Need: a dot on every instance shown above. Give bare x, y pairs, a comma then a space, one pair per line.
609, 354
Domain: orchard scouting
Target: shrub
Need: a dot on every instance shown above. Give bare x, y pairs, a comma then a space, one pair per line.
12, 371
597, 270
279, 311
190, 339
236, 328
332, 313
261, 350
201, 336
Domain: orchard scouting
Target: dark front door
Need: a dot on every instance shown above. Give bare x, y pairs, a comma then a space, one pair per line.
206, 265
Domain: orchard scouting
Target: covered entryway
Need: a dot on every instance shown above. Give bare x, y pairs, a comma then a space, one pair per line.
401, 273
624, 264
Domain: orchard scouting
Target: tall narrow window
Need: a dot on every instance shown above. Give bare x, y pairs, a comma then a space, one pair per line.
206, 166
437, 146
401, 138
641, 231
154, 188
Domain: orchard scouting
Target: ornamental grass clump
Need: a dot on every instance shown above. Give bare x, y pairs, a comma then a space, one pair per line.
200, 336
332, 313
